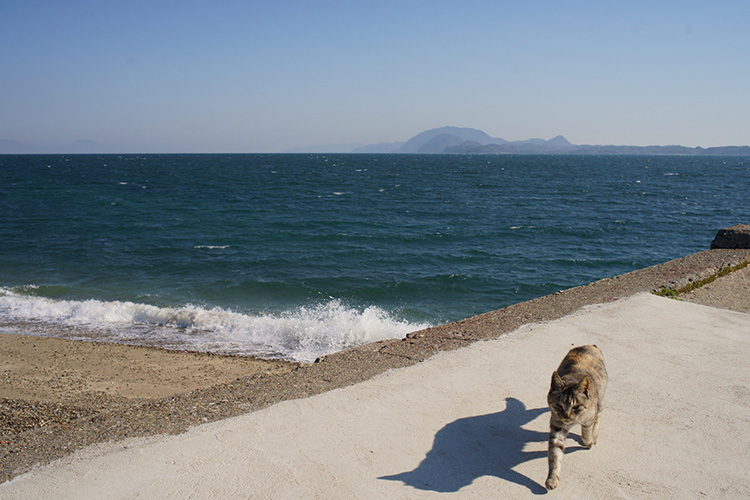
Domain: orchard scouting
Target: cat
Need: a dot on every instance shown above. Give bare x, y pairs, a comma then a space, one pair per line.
576, 396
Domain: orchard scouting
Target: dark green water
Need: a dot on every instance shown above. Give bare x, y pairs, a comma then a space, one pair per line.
297, 255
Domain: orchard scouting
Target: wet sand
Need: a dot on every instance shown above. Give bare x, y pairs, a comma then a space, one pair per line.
58, 396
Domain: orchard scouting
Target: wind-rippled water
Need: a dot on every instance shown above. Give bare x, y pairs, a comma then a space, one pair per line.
296, 256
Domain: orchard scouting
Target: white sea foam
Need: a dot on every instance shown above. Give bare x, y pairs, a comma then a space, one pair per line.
302, 334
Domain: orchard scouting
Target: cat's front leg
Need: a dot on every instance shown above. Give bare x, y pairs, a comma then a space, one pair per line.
590, 432
587, 435
557, 436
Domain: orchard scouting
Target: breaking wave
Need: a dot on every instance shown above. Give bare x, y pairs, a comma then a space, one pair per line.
302, 334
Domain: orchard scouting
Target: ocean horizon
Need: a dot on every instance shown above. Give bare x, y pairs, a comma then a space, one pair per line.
294, 256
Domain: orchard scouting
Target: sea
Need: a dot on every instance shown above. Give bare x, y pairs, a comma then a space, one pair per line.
294, 256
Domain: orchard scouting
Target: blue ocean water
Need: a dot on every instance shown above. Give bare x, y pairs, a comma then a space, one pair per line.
295, 256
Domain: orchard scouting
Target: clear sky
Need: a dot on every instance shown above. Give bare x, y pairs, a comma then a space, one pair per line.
264, 76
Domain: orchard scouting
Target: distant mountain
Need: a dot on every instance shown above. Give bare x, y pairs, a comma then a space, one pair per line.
458, 140
438, 143
726, 151
430, 141
556, 145
560, 145
559, 142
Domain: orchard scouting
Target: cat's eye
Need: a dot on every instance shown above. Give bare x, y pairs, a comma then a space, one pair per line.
578, 409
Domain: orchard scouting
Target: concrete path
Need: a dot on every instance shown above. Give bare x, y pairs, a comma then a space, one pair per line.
470, 423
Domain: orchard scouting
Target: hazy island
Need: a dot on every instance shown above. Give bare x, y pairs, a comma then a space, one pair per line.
459, 140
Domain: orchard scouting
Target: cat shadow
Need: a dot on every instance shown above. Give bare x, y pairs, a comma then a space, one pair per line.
484, 445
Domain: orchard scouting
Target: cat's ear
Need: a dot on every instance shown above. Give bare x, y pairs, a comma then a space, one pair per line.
583, 386
557, 383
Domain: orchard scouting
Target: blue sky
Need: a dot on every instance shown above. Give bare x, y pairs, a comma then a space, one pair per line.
249, 76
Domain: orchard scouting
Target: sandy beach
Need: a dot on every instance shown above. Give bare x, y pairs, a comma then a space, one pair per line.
64, 371
60, 396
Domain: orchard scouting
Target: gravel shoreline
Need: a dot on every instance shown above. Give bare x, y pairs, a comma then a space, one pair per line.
36, 429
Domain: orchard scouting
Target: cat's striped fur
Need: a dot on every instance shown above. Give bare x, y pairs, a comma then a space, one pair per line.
576, 396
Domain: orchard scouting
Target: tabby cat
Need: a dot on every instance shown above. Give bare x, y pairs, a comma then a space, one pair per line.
576, 396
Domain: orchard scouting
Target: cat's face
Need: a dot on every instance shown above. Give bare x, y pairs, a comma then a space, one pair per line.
570, 403
568, 408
